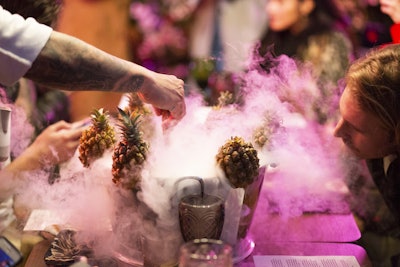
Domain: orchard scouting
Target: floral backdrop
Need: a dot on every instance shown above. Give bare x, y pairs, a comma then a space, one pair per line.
159, 40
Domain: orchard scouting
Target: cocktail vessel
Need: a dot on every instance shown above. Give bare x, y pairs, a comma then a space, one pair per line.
206, 253
246, 199
244, 245
205, 212
201, 215
151, 205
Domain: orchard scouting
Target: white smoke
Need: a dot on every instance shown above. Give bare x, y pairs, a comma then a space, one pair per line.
305, 176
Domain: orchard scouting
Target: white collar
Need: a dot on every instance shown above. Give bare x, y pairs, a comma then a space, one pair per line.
387, 160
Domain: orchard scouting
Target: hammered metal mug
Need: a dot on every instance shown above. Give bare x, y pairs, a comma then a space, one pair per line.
201, 216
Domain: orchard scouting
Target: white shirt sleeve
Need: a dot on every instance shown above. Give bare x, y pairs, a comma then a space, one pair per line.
21, 41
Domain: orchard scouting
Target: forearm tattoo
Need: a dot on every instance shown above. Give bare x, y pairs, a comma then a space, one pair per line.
69, 64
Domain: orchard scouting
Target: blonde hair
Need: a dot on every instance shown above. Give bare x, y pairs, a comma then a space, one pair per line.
375, 82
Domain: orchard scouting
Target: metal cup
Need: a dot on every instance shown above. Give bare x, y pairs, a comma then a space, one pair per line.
201, 216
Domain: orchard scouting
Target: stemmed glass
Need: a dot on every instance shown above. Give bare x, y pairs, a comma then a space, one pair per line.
205, 253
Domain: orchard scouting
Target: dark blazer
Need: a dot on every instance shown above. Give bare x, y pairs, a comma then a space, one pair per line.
388, 185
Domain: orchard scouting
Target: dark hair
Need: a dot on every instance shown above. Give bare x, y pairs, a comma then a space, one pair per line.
374, 80
326, 16
44, 11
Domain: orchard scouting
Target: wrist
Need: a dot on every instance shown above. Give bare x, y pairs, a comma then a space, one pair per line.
10, 181
139, 78
146, 81
27, 161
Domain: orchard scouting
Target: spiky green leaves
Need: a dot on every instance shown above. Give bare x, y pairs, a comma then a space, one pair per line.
97, 138
130, 153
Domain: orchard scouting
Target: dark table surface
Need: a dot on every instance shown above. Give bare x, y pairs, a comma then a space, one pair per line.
316, 227
309, 234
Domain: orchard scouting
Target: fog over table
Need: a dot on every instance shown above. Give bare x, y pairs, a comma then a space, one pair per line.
305, 170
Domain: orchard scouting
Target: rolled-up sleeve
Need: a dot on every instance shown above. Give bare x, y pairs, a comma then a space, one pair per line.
21, 41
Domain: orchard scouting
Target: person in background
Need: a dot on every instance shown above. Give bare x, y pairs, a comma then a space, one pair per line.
308, 31
392, 9
56, 144
366, 24
216, 38
370, 129
376, 30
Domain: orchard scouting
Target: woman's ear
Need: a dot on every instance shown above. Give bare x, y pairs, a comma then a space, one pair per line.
307, 6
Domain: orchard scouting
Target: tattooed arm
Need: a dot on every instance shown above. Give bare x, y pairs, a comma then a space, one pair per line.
70, 64
63, 62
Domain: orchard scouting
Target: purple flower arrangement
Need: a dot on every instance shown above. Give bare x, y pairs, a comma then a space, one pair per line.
160, 41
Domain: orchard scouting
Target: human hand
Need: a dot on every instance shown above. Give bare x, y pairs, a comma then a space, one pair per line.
166, 94
57, 143
391, 8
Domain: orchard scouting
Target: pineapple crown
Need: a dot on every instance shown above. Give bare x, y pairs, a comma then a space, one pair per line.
136, 105
134, 100
99, 118
129, 125
226, 98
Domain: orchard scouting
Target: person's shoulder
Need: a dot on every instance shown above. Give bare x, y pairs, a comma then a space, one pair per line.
332, 36
342, 41
333, 40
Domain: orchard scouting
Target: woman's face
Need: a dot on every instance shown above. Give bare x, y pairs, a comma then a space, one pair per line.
361, 131
285, 14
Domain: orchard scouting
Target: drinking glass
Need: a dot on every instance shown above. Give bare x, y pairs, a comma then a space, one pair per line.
201, 216
205, 253
161, 250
